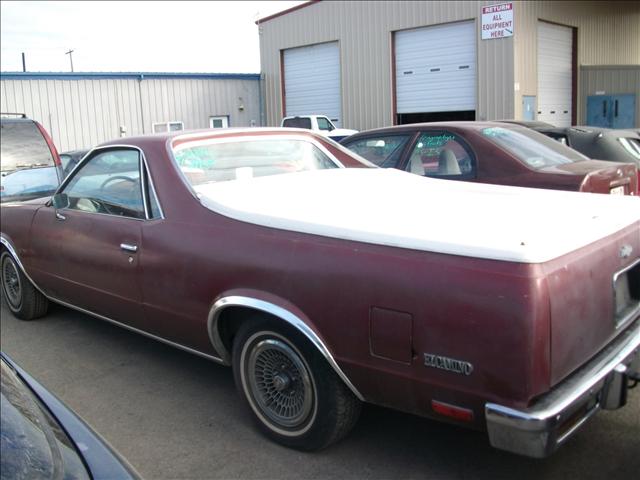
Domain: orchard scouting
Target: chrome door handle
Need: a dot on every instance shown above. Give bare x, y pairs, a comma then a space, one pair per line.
128, 247
60, 217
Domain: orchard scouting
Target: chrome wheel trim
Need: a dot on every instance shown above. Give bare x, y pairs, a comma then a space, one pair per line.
11, 283
278, 384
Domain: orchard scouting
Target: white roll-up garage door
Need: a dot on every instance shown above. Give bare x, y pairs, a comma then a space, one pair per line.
555, 73
312, 81
436, 68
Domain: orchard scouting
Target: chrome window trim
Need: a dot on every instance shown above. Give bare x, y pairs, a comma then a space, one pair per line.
143, 188
13, 253
142, 159
627, 318
151, 190
296, 322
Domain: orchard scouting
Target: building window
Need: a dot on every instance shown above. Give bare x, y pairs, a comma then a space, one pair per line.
221, 121
167, 127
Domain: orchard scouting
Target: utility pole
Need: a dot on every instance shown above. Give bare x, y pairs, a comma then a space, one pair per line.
70, 53
24, 63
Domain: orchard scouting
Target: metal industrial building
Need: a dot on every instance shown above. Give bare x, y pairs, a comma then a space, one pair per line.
81, 110
369, 64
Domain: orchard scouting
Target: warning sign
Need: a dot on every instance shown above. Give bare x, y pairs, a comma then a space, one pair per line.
497, 21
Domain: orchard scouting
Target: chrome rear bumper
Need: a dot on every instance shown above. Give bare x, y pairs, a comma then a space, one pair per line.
539, 430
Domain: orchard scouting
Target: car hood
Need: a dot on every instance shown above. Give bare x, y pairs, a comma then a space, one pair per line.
399, 209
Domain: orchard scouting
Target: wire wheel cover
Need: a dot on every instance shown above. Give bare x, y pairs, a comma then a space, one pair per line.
280, 383
11, 282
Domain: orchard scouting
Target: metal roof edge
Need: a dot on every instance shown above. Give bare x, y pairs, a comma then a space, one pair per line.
285, 12
136, 75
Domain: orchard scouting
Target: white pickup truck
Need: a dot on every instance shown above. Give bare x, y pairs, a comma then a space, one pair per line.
317, 123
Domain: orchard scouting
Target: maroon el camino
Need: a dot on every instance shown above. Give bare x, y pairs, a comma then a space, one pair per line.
491, 152
508, 309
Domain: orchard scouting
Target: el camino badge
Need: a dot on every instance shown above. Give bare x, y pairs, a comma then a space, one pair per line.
450, 364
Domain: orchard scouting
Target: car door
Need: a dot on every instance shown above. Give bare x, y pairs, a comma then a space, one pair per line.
89, 239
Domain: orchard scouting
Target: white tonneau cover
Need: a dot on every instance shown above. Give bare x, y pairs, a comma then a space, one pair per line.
390, 207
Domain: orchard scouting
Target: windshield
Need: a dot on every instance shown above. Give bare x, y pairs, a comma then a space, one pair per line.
210, 161
23, 146
631, 145
532, 148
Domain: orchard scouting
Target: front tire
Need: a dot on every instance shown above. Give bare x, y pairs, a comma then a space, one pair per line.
295, 398
22, 298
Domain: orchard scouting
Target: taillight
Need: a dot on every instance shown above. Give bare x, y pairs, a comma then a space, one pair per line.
452, 411
52, 147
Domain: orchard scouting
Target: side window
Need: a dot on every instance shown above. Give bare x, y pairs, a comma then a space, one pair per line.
382, 151
167, 127
324, 124
108, 183
442, 154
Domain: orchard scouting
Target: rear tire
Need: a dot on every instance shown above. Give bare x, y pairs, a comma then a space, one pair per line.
22, 298
294, 396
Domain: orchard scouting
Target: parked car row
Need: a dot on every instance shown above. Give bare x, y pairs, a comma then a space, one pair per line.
502, 153
326, 282
491, 152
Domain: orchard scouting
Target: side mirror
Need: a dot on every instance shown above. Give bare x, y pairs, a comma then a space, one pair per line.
60, 200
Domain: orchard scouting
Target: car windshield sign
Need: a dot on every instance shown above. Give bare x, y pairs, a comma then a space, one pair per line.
532, 148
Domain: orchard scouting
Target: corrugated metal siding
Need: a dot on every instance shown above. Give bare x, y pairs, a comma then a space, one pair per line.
608, 34
85, 112
364, 30
609, 80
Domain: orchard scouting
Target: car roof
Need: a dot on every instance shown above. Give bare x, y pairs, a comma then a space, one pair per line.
474, 125
208, 133
15, 120
528, 123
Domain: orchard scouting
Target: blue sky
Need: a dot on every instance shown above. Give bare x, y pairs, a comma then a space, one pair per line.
134, 36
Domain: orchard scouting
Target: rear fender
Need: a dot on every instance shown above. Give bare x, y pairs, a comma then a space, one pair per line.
258, 301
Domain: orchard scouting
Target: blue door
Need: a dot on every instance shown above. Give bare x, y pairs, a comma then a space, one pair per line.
599, 111
623, 111
612, 111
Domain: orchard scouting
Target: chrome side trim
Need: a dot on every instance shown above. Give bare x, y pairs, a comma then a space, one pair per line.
279, 312
141, 332
12, 251
537, 431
